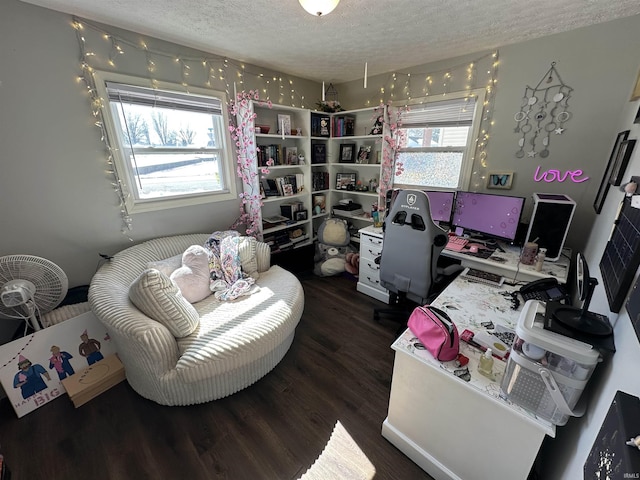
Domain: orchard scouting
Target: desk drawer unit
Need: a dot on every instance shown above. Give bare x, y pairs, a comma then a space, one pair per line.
369, 274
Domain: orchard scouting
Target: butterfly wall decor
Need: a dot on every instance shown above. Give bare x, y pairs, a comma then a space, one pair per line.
500, 180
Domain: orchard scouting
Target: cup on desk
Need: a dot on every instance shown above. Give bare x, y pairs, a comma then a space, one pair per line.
377, 219
529, 252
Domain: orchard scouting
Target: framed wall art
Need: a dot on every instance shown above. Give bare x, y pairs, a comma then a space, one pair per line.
604, 183
500, 180
622, 160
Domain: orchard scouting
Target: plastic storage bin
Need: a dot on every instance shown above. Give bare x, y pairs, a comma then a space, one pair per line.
546, 372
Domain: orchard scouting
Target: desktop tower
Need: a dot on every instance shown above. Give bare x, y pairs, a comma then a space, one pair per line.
550, 221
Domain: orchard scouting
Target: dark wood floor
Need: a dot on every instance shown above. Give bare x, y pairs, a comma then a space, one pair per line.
338, 369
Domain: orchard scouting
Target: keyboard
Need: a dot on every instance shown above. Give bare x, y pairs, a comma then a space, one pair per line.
479, 276
456, 243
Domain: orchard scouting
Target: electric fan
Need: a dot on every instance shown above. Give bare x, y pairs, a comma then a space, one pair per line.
30, 286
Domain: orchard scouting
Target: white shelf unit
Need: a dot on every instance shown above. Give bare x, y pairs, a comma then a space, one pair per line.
363, 121
282, 144
330, 166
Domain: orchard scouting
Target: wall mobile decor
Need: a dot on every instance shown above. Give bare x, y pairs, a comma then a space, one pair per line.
544, 111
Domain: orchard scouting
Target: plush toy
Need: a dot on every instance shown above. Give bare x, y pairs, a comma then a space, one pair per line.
332, 247
352, 263
329, 260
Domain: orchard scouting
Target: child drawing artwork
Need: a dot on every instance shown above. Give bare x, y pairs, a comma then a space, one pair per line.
60, 362
29, 377
90, 348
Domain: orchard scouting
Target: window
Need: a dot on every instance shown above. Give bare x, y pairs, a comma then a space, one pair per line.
436, 142
169, 146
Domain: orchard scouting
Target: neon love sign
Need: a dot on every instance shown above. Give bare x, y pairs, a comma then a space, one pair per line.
553, 175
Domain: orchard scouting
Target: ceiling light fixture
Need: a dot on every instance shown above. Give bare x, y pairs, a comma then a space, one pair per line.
319, 7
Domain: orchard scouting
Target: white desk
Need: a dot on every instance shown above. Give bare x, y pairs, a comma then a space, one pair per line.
508, 265
455, 429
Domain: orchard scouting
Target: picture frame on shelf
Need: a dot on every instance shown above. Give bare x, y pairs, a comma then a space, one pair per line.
598, 202
284, 124
345, 181
301, 216
291, 155
501, 180
622, 160
347, 152
364, 154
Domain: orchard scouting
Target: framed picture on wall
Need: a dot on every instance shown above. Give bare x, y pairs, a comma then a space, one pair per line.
604, 183
622, 160
500, 180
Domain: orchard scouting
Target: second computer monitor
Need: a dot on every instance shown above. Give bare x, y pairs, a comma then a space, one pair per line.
441, 205
497, 216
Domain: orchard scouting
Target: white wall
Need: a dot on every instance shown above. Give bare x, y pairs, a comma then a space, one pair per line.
55, 192
599, 62
564, 456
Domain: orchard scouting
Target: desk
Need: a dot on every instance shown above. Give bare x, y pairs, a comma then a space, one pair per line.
455, 429
508, 265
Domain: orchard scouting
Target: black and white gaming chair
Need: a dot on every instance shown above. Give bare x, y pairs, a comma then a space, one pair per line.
410, 252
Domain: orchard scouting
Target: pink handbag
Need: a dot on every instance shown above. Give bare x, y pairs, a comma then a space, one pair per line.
436, 331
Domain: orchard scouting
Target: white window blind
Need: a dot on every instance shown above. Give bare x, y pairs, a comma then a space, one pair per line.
163, 99
445, 113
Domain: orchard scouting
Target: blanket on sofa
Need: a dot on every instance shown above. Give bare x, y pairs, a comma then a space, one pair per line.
227, 280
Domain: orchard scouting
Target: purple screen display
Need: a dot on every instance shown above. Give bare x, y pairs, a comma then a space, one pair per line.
494, 215
441, 205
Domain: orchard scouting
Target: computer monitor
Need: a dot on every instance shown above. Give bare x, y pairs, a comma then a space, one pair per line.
496, 216
441, 205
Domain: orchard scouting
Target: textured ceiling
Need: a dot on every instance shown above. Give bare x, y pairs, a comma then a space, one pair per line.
389, 35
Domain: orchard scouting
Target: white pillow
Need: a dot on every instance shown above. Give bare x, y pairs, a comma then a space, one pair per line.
159, 298
247, 254
192, 278
168, 265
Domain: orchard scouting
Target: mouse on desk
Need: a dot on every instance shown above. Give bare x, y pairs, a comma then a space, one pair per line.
474, 247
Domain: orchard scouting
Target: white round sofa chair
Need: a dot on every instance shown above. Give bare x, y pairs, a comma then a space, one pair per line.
234, 344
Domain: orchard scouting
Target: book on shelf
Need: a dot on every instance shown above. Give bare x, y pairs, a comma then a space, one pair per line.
290, 209
320, 125
270, 152
318, 153
320, 181
269, 187
344, 126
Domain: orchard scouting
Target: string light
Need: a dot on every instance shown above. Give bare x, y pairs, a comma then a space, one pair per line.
216, 71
